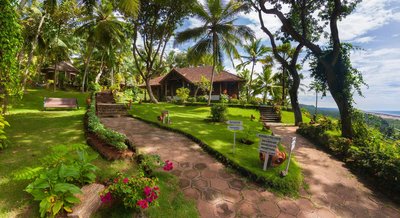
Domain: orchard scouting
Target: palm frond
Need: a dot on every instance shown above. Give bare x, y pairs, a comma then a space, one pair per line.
129, 8
190, 34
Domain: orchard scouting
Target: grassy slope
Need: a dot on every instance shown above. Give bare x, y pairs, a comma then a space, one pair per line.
288, 117
31, 134
190, 119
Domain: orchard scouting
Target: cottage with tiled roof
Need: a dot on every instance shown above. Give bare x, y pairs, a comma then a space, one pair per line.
165, 87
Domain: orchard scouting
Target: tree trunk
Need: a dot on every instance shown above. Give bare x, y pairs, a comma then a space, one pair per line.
316, 103
283, 85
250, 82
336, 88
112, 76
86, 68
294, 99
211, 84
30, 55
195, 92
98, 76
150, 91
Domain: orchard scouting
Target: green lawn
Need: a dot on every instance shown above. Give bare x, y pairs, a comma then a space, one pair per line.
288, 117
191, 119
33, 132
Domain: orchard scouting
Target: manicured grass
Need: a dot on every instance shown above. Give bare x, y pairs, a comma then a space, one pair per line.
33, 132
191, 120
288, 117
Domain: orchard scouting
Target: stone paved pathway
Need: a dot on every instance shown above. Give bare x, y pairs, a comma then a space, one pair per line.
219, 192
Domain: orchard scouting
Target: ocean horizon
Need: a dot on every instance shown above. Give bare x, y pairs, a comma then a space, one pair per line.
392, 113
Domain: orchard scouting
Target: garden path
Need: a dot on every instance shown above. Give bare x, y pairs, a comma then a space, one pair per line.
219, 192
331, 184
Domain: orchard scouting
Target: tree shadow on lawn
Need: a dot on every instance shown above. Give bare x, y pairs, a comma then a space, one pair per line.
31, 137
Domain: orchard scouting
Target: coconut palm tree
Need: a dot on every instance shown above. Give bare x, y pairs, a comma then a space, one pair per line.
255, 52
317, 87
266, 85
218, 34
102, 28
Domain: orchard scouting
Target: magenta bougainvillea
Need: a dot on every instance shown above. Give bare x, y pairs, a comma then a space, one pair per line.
168, 165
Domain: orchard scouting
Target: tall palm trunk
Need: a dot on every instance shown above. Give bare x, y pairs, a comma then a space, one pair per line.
30, 55
215, 53
316, 103
283, 85
251, 81
98, 76
91, 48
294, 99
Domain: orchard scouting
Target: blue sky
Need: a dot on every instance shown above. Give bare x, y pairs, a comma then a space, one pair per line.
375, 27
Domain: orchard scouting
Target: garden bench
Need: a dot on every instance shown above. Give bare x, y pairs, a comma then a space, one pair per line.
60, 103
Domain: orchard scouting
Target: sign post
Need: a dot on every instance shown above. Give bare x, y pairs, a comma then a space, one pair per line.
267, 146
284, 173
236, 125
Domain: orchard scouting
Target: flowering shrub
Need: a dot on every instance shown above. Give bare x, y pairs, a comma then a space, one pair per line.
133, 192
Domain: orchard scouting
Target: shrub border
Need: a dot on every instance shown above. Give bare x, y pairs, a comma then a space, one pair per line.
220, 157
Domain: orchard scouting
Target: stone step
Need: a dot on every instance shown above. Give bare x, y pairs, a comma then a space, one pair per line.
105, 97
110, 110
90, 201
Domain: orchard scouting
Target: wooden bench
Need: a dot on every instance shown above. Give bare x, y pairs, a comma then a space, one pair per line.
60, 103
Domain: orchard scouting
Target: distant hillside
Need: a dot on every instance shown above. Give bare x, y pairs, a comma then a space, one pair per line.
330, 112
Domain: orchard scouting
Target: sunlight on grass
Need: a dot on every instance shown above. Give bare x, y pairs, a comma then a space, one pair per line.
191, 119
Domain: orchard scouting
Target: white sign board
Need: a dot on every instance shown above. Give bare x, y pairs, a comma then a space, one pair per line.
268, 146
235, 128
235, 122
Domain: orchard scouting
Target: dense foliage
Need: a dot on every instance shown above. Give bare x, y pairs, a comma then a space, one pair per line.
183, 94
3, 137
58, 179
10, 42
111, 137
368, 152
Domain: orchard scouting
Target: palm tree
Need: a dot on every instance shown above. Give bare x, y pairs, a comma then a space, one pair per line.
318, 88
102, 28
265, 84
255, 52
218, 35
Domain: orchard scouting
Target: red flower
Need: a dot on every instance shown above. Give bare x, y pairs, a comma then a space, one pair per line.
147, 190
126, 180
168, 165
143, 204
106, 198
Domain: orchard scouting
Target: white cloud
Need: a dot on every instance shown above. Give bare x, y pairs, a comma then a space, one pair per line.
369, 15
365, 39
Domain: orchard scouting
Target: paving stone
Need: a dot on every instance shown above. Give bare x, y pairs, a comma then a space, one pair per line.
247, 209
286, 215
269, 208
211, 195
237, 184
209, 174
251, 195
224, 209
176, 172
205, 209
200, 166
224, 175
288, 207
191, 174
232, 195
219, 184
184, 165
308, 214
266, 195
304, 204
200, 184
184, 183
325, 213
192, 193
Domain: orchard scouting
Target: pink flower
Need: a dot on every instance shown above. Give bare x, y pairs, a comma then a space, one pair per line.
126, 180
168, 165
147, 190
143, 204
106, 198
115, 180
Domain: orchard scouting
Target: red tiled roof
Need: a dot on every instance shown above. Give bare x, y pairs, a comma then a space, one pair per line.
193, 75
